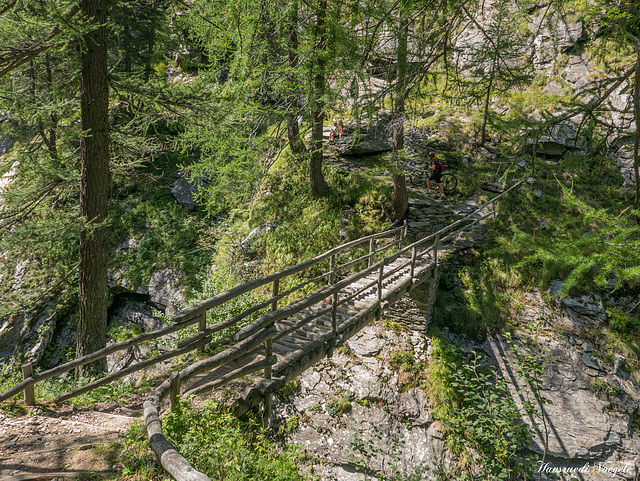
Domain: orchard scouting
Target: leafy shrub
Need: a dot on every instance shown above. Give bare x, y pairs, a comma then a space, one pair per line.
217, 444
484, 426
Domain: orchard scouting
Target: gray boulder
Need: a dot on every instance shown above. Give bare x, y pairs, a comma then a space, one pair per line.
165, 289
558, 139
624, 160
375, 138
184, 192
590, 306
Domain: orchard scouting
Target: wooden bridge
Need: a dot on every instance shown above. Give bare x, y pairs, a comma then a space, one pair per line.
308, 310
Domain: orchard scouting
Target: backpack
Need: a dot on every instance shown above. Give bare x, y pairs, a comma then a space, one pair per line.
438, 165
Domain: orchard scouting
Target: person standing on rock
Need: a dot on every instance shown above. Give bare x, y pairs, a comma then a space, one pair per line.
436, 173
336, 133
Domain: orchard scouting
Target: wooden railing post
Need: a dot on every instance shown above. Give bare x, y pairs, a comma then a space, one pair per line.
332, 267
371, 246
202, 326
435, 249
334, 313
29, 392
174, 393
268, 344
380, 276
268, 351
334, 298
414, 253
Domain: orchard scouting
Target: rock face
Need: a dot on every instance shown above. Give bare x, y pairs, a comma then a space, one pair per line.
164, 291
383, 426
28, 332
374, 139
591, 419
558, 140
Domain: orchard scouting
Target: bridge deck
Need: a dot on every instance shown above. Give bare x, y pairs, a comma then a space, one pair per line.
351, 316
307, 337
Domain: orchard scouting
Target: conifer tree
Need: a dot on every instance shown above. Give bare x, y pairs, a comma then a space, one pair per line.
55, 116
95, 185
494, 56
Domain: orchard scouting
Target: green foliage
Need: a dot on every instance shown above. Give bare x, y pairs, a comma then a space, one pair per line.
603, 388
484, 426
40, 223
338, 407
411, 372
164, 233
132, 456
304, 226
217, 444
623, 332
119, 332
589, 247
289, 390
477, 303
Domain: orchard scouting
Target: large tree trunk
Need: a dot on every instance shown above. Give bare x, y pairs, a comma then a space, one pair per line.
293, 130
318, 184
95, 180
150, 44
636, 144
400, 197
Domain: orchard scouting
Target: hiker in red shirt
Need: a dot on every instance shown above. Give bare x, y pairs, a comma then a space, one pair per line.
436, 173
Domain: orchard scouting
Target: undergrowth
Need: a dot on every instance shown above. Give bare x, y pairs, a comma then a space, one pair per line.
215, 442
484, 427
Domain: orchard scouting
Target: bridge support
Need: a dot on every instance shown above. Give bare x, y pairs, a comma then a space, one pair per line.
424, 296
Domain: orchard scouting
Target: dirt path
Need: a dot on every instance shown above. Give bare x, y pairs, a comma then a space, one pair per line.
56, 442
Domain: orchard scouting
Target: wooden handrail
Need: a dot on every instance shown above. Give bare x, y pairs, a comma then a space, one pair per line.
192, 315
94, 356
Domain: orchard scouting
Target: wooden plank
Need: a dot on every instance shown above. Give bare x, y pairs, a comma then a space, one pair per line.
230, 354
288, 343
238, 373
282, 350
301, 334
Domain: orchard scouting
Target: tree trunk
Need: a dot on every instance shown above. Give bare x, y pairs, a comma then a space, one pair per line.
319, 185
636, 144
487, 98
95, 180
151, 44
400, 197
355, 93
126, 41
401, 83
293, 130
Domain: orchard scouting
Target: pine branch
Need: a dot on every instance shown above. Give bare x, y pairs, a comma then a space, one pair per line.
31, 51
17, 216
8, 7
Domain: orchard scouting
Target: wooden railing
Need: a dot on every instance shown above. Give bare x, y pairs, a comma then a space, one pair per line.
260, 333
198, 314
